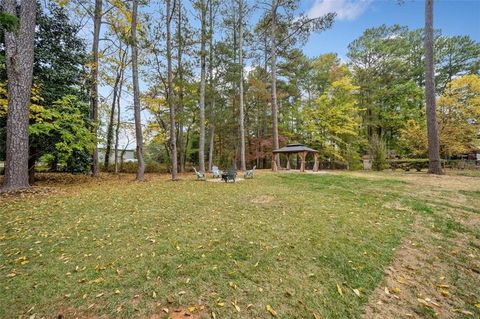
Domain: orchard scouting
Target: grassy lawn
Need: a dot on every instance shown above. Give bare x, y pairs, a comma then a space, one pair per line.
301, 245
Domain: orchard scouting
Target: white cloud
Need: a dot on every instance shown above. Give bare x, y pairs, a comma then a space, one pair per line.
345, 9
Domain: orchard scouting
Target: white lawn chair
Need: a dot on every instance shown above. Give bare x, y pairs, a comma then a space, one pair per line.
250, 173
200, 175
216, 172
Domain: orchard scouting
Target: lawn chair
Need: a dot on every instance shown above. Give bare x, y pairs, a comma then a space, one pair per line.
229, 176
216, 172
250, 173
200, 175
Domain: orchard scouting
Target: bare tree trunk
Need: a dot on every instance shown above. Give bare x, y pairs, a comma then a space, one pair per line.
211, 124
201, 148
97, 22
136, 95
119, 97
181, 143
19, 48
434, 166
173, 139
108, 147
273, 53
241, 120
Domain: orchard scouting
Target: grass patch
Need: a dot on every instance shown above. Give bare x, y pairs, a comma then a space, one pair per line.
127, 249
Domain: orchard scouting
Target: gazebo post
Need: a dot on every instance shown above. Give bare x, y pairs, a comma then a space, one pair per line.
302, 158
315, 165
288, 161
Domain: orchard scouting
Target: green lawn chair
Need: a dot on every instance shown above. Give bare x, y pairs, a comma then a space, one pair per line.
200, 175
229, 176
250, 173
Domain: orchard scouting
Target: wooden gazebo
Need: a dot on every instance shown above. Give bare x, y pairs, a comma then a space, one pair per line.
290, 149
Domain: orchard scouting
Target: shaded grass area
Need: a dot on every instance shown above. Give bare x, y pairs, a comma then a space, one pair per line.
299, 243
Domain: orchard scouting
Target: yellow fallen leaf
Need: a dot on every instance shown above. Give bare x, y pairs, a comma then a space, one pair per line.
99, 295
236, 306
477, 305
165, 310
316, 316
357, 292
339, 289
271, 310
221, 304
396, 290
192, 309
117, 291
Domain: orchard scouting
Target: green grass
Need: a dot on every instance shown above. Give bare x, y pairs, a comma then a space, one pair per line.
283, 240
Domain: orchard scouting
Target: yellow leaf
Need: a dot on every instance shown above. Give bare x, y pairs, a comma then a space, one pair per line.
396, 290
339, 289
192, 309
236, 306
271, 310
316, 316
357, 292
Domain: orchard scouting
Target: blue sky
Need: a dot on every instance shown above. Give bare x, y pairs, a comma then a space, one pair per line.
453, 17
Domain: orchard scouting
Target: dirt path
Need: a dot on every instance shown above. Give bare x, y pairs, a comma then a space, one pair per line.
435, 272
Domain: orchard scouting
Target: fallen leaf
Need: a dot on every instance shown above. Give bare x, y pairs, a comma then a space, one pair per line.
357, 292
271, 310
236, 306
339, 289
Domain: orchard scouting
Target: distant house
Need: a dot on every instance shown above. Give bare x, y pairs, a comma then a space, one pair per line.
124, 156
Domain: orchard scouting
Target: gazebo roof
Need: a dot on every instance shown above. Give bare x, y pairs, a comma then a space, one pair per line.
295, 148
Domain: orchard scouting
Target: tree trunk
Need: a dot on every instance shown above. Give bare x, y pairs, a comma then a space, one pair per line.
273, 53
434, 166
19, 48
201, 148
241, 115
119, 96
108, 147
211, 124
97, 22
136, 95
181, 142
173, 139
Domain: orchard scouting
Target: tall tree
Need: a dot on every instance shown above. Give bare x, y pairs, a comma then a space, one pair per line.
211, 119
434, 166
136, 94
19, 46
97, 22
241, 119
286, 29
116, 87
203, 55
181, 90
273, 68
173, 140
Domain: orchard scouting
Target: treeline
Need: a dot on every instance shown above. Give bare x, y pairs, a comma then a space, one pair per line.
201, 83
